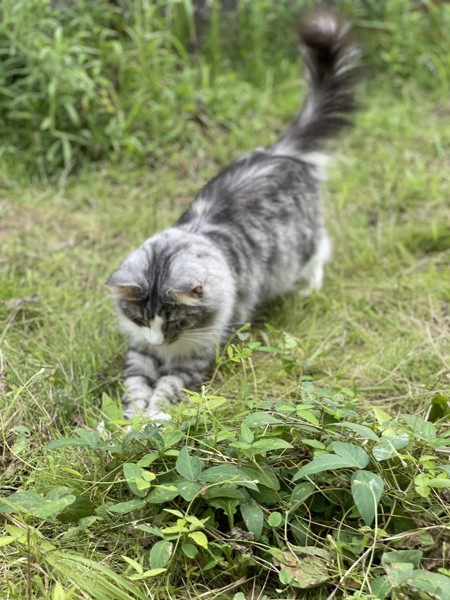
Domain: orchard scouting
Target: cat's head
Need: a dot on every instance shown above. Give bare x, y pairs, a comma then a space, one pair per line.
162, 301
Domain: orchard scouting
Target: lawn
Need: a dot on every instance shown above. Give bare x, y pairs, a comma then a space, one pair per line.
372, 346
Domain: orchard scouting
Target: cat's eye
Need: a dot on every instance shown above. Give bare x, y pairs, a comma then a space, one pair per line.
141, 322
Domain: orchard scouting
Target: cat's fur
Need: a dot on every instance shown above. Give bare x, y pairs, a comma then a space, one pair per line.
252, 233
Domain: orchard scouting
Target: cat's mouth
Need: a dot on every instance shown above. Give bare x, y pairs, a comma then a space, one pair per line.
155, 338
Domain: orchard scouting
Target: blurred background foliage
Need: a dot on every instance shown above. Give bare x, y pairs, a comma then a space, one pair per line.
138, 78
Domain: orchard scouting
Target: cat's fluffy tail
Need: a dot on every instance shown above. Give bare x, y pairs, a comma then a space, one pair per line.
330, 56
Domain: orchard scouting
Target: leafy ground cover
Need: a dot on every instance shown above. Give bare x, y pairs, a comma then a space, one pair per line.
314, 464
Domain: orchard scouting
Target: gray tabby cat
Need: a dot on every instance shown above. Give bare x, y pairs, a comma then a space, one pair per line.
252, 233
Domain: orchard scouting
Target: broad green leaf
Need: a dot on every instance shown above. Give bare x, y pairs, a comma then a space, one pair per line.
21, 501
398, 573
138, 479
123, 508
382, 417
21, 444
150, 432
199, 538
285, 576
307, 415
223, 491
401, 556
133, 563
145, 575
423, 430
311, 551
240, 445
388, 446
89, 438
351, 452
261, 419
64, 443
266, 496
301, 492
111, 409
275, 519
435, 584
421, 483
58, 492
189, 550
246, 433
364, 432
188, 466
195, 522
326, 462
171, 438
160, 554
79, 509
147, 459
86, 522
53, 507
367, 488
262, 474
174, 512
161, 494
18, 533
439, 482
268, 444
310, 572
175, 530
381, 587
227, 473
253, 516
188, 489
314, 444
156, 531
228, 505
305, 571
7, 539
20, 429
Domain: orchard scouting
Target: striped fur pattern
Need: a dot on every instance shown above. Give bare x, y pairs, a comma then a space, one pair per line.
252, 233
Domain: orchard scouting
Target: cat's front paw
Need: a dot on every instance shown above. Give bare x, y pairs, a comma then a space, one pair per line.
152, 413
144, 409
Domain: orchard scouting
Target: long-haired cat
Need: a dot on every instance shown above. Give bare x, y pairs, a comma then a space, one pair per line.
252, 233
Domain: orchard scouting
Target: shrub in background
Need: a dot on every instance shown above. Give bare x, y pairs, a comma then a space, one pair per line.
94, 79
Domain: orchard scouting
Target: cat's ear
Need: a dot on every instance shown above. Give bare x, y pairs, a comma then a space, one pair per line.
124, 288
189, 295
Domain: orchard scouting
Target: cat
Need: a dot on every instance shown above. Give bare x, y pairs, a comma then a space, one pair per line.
252, 233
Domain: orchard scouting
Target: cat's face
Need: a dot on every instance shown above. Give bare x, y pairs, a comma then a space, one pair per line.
164, 308
166, 316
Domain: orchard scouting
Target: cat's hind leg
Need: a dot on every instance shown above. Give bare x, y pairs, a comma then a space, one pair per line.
312, 272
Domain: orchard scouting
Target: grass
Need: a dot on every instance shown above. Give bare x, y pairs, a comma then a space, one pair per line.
377, 322
379, 331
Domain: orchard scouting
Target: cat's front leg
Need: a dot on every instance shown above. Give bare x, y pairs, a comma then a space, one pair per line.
140, 379
170, 385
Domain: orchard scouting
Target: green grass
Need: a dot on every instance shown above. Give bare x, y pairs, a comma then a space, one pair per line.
376, 337
379, 326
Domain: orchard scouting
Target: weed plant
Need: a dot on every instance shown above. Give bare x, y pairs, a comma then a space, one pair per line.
223, 503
